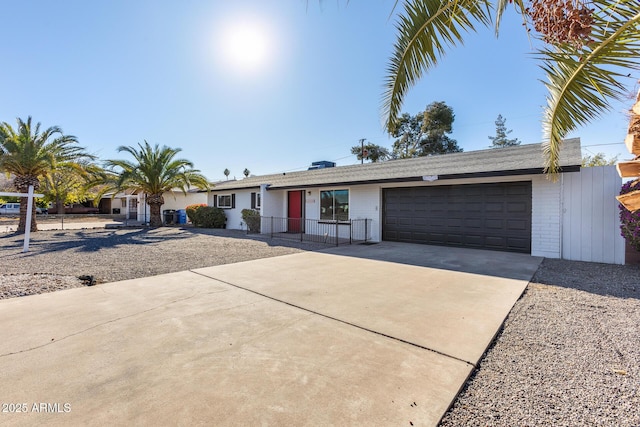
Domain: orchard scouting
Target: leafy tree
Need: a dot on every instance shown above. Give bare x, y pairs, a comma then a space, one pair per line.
409, 134
437, 123
31, 154
588, 53
598, 159
154, 171
246, 172
501, 140
425, 133
70, 183
226, 173
372, 152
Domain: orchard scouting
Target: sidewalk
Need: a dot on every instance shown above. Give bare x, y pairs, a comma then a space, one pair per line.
71, 223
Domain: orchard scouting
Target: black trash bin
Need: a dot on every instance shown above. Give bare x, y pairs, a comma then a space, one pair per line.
169, 216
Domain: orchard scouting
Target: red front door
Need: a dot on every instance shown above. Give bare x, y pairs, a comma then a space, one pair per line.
294, 212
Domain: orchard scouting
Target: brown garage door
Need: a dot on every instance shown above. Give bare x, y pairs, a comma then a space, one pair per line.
489, 216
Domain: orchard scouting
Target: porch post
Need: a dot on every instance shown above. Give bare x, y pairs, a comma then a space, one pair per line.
126, 206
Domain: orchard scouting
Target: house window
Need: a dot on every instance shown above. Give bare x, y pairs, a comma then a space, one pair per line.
224, 201
334, 205
256, 200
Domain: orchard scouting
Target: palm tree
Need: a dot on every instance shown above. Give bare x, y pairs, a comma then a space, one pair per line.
154, 171
29, 154
587, 54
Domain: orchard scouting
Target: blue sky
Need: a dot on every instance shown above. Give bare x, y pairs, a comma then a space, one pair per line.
119, 72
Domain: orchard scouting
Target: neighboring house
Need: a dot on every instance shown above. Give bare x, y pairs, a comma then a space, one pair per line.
496, 199
134, 206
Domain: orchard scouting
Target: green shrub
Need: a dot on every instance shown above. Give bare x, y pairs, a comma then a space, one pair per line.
206, 216
251, 217
192, 211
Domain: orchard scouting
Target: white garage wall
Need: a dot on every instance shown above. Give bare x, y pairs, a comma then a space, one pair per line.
590, 220
545, 217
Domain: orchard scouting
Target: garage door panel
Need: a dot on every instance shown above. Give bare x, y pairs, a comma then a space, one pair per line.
490, 206
519, 244
519, 190
474, 223
454, 223
516, 207
517, 224
420, 221
436, 238
494, 224
420, 236
492, 216
474, 207
404, 236
475, 240
405, 221
455, 239
436, 223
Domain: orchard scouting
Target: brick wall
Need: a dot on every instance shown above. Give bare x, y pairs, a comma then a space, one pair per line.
545, 218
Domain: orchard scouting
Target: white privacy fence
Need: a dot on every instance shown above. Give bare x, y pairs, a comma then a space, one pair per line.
590, 216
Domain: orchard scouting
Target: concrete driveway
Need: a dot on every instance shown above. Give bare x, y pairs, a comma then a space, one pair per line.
339, 337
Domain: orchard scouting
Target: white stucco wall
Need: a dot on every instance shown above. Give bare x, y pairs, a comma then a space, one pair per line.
312, 203
365, 202
177, 200
234, 215
274, 203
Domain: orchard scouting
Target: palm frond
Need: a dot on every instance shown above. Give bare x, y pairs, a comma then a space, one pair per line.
501, 6
154, 170
583, 82
425, 30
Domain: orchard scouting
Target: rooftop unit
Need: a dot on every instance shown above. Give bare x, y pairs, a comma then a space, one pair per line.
322, 164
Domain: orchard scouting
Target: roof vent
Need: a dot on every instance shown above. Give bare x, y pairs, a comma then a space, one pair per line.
322, 164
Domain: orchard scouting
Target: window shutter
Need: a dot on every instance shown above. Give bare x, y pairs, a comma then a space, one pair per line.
233, 201
253, 200
215, 200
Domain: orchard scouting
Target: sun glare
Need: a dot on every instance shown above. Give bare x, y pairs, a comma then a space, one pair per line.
246, 46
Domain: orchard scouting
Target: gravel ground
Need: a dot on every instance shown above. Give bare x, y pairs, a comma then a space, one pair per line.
57, 258
567, 355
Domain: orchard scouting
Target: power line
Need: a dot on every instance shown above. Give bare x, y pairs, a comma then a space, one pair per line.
601, 145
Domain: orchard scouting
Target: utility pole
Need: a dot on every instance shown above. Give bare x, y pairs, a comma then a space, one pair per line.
362, 140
